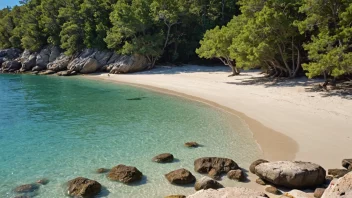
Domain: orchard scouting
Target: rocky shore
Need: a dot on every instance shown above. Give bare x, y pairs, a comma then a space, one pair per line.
284, 179
51, 60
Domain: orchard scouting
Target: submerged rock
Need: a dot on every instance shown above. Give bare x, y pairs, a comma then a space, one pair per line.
102, 170
43, 181
176, 196
233, 192
256, 163
163, 158
83, 187
191, 144
207, 183
27, 188
219, 165
291, 174
180, 177
125, 174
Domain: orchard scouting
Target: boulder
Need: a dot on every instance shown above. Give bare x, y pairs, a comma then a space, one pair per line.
59, 64
256, 163
102, 57
342, 188
291, 174
220, 165
83, 65
297, 194
236, 175
125, 174
11, 65
318, 193
337, 173
28, 62
180, 177
347, 163
272, 190
27, 188
234, 192
163, 158
10, 54
42, 58
207, 183
128, 64
83, 187
192, 144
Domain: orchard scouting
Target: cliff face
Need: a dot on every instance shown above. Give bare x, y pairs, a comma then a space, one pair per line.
51, 60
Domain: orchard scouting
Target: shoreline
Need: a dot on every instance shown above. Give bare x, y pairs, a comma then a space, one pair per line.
259, 132
287, 122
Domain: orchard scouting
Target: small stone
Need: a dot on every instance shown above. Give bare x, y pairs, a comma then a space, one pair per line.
260, 181
163, 158
207, 183
125, 174
27, 188
236, 175
43, 181
256, 163
318, 193
337, 173
272, 190
102, 170
192, 144
176, 196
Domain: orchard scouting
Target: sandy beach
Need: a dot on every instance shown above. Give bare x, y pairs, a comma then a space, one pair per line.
288, 121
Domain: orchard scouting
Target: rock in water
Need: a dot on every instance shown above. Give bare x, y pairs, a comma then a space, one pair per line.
191, 144
347, 163
337, 173
43, 181
125, 174
176, 196
232, 192
342, 188
220, 165
236, 175
256, 163
83, 187
102, 170
180, 177
163, 158
27, 188
207, 183
292, 174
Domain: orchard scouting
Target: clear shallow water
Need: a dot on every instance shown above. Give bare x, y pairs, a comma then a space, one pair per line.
61, 128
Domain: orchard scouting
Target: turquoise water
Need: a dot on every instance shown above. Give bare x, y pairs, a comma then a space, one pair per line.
61, 128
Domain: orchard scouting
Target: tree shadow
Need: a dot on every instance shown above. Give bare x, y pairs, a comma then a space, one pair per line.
103, 193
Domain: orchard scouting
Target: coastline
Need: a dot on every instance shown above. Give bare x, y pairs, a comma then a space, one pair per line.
282, 130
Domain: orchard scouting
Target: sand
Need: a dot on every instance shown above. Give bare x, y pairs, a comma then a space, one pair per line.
288, 121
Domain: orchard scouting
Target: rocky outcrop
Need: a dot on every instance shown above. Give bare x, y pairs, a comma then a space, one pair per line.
28, 60
83, 65
347, 163
83, 187
59, 64
342, 188
47, 55
180, 177
256, 163
125, 174
10, 54
215, 164
291, 174
127, 64
11, 66
163, 158
229, 192
207, 183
